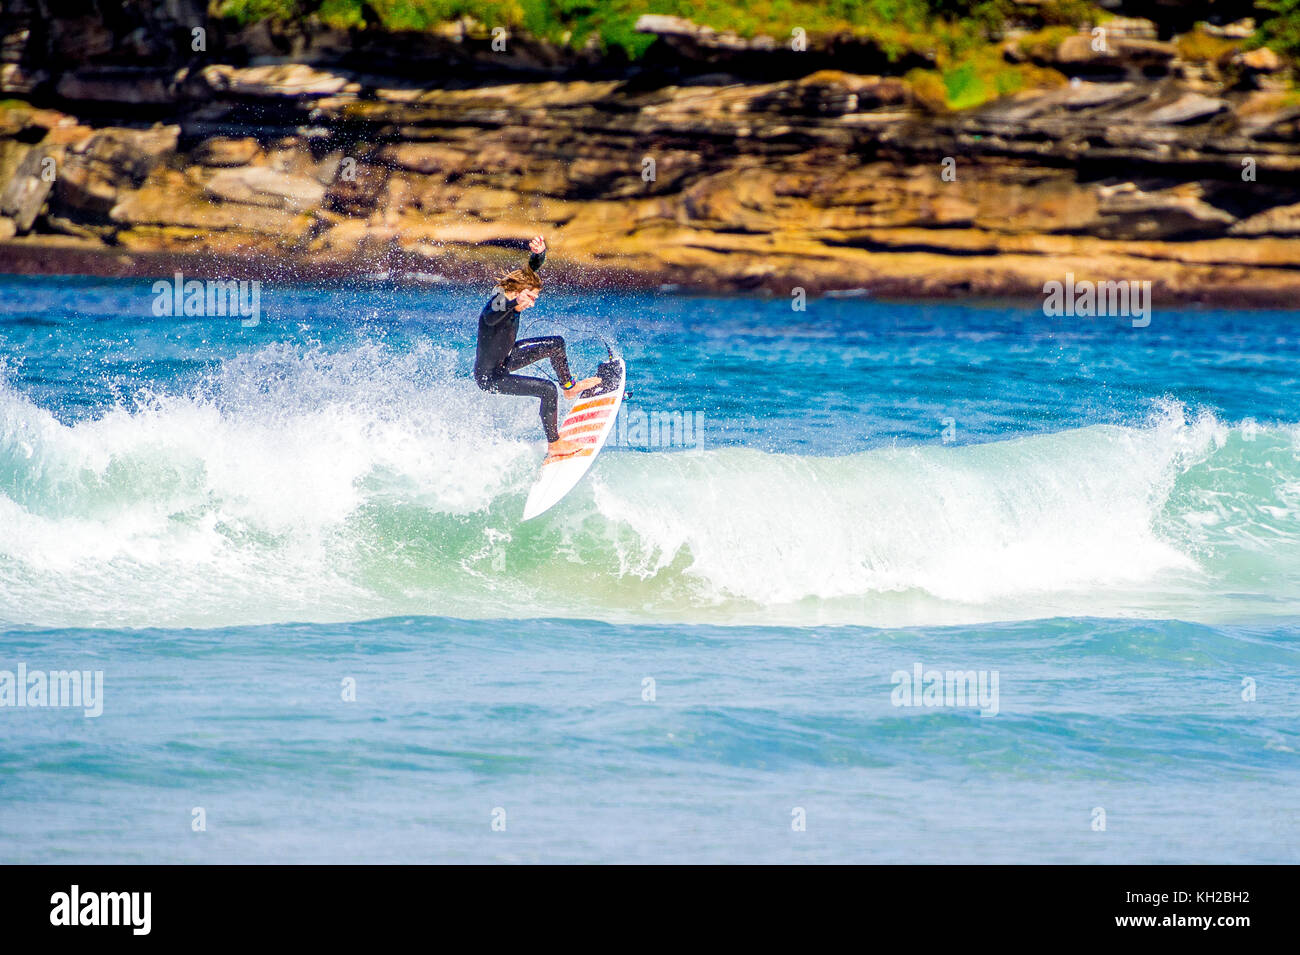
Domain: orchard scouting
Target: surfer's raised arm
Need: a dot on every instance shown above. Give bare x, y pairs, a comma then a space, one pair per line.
516, 286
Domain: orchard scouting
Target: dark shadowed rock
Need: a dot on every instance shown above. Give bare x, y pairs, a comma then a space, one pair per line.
1127, 212
132, 86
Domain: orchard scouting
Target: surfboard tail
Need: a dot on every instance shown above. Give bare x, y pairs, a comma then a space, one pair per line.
589, 423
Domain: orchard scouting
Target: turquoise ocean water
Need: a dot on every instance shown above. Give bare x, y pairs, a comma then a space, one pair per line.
697, 656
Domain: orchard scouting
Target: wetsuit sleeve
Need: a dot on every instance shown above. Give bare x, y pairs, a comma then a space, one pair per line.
494, 310
537, 260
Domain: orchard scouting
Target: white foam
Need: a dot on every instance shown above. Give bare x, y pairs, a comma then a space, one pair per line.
973, 524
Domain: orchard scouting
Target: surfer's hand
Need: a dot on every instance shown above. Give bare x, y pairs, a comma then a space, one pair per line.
537, 246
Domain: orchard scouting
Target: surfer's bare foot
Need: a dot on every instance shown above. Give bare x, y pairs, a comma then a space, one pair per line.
558, 449
581, 386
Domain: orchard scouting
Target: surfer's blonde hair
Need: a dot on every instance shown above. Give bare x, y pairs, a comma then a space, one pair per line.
512, 283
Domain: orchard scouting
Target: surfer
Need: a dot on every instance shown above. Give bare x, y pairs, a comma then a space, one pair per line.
499, 355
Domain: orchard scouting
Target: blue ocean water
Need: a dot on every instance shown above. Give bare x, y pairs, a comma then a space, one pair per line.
702, 653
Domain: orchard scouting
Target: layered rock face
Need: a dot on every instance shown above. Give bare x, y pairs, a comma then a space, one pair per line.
715, 164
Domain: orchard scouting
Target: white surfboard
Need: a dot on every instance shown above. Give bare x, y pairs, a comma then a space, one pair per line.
588, 423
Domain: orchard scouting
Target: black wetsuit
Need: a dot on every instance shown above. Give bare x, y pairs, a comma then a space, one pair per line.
500, 356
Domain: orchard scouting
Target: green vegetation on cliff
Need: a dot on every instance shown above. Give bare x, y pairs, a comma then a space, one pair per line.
1281, 31
899, 26
959, 37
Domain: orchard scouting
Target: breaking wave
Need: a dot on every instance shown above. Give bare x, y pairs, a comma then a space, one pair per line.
315, 486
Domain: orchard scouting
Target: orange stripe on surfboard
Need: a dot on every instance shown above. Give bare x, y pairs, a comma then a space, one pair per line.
581, 428
589, 416
592, 403
584, 453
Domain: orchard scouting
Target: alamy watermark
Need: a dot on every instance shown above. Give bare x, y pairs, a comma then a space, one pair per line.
1090, 299
922, 687
75, 689
214, 298
637, 428
129, 909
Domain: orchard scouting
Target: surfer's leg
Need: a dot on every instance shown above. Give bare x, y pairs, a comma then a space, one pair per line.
531, 350
530, 388
535, 349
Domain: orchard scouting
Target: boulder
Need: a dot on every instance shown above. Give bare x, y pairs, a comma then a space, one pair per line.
1130, 28
683, 32
1078, 53
223, 151
1262, 60
427, 158
836, 92
24, 197
1188, 108
278, 79
1080, 95
96, 170
134, 152
1237, 30
1280, 220
662, 25
69, 134
167, 203
263, 186
17, 79
1078, 48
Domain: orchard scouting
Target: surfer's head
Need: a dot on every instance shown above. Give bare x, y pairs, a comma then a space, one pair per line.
520, 282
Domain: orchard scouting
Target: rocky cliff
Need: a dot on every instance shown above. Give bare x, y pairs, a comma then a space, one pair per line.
133, 144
